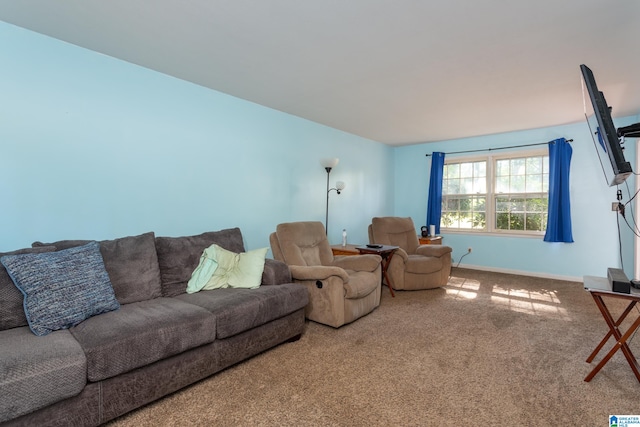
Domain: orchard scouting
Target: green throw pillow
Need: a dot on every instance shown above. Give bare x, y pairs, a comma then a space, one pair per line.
220, 268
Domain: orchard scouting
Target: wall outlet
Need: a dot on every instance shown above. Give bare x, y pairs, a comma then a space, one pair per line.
469, 250
614, 206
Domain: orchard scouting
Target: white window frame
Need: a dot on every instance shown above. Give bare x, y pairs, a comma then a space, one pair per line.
490, 213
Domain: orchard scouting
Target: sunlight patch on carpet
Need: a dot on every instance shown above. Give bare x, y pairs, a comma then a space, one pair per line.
529, 302
549, 297
539, 302
462, 288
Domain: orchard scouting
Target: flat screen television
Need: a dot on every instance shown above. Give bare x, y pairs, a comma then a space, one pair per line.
606, 138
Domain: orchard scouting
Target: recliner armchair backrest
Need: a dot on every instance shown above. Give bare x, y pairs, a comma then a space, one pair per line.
394, 231
303, 243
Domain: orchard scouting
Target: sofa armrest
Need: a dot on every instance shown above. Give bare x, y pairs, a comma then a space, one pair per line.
317, 272
433, 250
275, 272
366, 262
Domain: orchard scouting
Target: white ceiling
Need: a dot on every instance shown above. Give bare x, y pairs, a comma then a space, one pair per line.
394, 71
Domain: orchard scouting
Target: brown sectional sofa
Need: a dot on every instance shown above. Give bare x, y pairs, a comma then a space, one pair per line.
160, 339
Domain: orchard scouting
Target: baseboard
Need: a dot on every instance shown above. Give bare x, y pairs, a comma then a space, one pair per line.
518, 272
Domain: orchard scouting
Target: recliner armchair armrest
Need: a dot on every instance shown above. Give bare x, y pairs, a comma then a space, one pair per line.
317, 272
275, 272
402, 254
433, 250
366, 262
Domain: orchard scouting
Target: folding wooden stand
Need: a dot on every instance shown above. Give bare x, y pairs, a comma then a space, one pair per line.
599, 287
386, 253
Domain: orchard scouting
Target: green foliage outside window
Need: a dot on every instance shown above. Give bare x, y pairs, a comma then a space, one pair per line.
464, 212
521, 213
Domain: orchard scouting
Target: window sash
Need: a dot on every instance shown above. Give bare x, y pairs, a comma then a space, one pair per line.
471, 200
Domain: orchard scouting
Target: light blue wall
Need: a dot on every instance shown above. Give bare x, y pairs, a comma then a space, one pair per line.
96, 148
595, 227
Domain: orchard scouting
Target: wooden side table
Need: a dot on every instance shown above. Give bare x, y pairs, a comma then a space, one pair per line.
345, 250
599, 288
435, 240
386, 253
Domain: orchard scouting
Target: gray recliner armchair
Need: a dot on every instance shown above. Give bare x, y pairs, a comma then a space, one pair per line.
341, 288
413, 266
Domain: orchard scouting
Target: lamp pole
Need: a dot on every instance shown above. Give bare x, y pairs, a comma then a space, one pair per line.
329, 164
326, 217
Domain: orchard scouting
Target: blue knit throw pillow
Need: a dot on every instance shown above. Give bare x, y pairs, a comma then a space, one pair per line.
61, 289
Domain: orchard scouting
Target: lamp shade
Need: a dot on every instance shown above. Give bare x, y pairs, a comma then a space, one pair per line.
329, 162
340, 185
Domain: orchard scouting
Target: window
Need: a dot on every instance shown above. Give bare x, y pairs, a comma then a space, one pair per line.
507, 193
464, 195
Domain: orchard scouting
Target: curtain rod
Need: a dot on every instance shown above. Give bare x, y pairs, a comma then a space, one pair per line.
502, 148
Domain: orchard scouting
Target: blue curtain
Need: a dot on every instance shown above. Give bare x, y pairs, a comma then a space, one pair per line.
559, 221
434, 203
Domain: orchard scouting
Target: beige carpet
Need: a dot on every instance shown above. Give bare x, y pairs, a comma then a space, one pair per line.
488, 349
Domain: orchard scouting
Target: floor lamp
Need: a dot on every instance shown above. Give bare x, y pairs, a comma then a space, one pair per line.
329, 164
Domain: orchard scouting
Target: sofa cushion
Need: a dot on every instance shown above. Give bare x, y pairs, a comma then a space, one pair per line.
61, 289
11, 299
142, 333
132, 264
238, 310
38, 371
178, 257
62, 244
